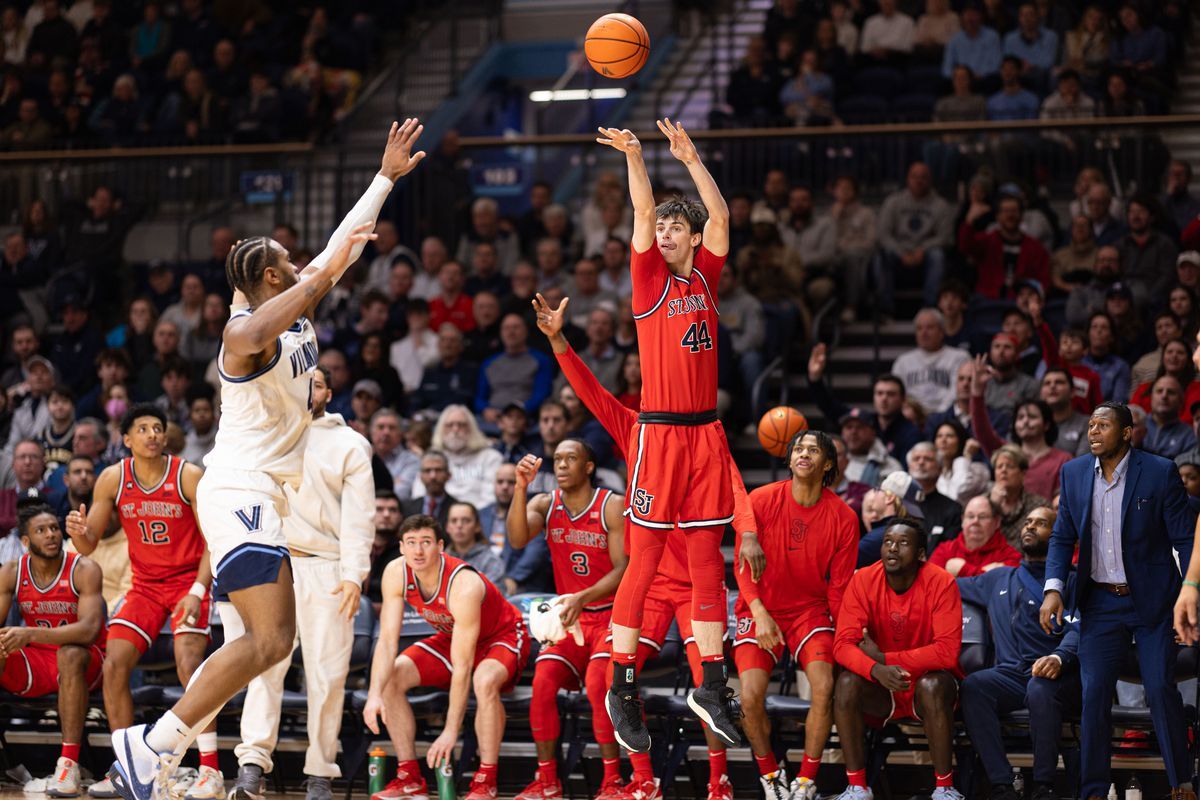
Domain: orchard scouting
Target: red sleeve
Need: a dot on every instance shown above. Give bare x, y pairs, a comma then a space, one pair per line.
845, 559
649, 275
850, 623
942, 554
945, 610
743, 511
743, 503
981, 424
1049, 344
1141, 396
616, 419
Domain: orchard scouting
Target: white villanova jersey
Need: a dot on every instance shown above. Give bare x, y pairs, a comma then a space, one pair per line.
265, 416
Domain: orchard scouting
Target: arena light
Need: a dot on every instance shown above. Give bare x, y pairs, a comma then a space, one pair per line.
561, 95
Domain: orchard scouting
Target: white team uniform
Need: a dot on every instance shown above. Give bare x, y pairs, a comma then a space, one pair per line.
259, 449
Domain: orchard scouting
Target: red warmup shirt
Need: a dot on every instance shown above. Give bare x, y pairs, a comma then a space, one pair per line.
986, 249
618, 421
995, 550
676, 320
919, 631
811, 552
459, 313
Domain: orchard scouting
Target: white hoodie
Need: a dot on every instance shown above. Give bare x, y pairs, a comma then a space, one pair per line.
333, 513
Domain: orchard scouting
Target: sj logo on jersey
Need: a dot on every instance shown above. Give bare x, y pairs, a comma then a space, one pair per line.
796, 534
898, 623
642, 500
744, 624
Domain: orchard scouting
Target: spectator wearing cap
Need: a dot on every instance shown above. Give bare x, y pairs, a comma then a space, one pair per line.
1085, 300
1131, 336
1006, 385
1147, 255
1033, 45
943, 515
928, 371
895, 432
31, 412
1003, 256
976, 47
516, 375
1166, 434
1187, 270
868, 459
1101, 357
514, 441
915, 225
1179, 204
450, 380
1166, 328
980, 547
898, 496
365, 400
74, 350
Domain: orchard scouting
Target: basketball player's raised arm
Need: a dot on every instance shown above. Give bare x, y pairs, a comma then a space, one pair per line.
87, 527
640, 191
83, 631
398, 161
716, 230
526, 518
465, 603
391, 622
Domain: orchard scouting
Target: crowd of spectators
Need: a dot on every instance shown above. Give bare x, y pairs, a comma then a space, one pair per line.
95, 73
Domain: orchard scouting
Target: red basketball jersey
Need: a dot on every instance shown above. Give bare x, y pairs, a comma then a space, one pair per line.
579, 546
497, 616
51, 606
165, 543
676, 321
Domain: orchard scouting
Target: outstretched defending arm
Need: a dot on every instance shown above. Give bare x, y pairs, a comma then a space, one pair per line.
716, 230
640, 191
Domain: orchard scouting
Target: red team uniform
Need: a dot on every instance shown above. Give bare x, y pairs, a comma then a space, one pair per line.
32, 671
919, 631
811, 554
502, 633
165, 549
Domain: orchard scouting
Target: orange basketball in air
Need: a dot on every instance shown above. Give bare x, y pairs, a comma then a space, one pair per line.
617, 45
777, 427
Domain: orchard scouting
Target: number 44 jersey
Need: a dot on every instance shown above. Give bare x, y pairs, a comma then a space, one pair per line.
165, 543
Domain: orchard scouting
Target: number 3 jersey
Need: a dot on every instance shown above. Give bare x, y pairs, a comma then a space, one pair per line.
676, 320
579, 546
165, 543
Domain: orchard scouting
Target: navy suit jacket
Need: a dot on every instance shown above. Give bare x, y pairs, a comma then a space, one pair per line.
1155, 517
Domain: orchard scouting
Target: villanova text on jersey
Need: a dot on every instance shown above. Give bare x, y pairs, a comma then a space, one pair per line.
304, 359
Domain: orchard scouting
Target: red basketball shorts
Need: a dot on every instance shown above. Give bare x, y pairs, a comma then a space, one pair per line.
807, 636
597, 633
679, 474
432, 656
32, 671
140, 616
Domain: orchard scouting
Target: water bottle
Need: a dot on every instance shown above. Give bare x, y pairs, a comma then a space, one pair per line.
1018, 782
1133, 789
1112, 792
377, 769
445, 782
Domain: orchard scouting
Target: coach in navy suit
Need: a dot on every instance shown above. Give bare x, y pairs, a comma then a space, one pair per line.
1126, 509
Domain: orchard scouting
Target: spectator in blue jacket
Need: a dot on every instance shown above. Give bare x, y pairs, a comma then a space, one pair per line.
1032, 669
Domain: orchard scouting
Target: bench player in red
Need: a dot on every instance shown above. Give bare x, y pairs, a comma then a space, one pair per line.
61, 646
810, 539
585, 532
480, 644
152, 494
670, 594
679, 476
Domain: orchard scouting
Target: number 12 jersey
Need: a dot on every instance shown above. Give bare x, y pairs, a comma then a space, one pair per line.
165, 543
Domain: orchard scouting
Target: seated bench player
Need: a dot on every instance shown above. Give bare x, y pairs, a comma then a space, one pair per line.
899, 634
481, 644
60, 648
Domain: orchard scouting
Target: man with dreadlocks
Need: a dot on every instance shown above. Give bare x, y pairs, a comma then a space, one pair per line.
680, 469
810, 539
267, 357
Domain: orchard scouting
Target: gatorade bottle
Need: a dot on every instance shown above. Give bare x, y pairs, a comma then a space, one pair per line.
377, 770
445, 781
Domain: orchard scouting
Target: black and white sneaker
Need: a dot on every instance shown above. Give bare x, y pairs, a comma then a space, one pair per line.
625, 711
715, 706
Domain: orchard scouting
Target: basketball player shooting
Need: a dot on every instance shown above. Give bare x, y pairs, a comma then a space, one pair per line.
680, 472
266, 361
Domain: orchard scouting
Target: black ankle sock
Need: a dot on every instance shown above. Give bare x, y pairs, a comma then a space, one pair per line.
714, 673
624, 676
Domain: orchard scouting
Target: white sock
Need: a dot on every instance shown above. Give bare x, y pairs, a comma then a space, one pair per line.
207, 742
167, 733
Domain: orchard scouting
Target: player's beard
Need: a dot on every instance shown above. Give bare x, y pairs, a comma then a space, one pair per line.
1039, 548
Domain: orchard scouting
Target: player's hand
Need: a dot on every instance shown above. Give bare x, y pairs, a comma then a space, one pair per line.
398, 157
751, 554
869, 648
570, 608
816, 363
13, 639
1187, 624
681, 144
374, 711
894, 679
442, 749
766, 631
1049, 667
77, 522
187, 611
549, 320
1052, 610
622, 140
350, 592
980, 376
527, 470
